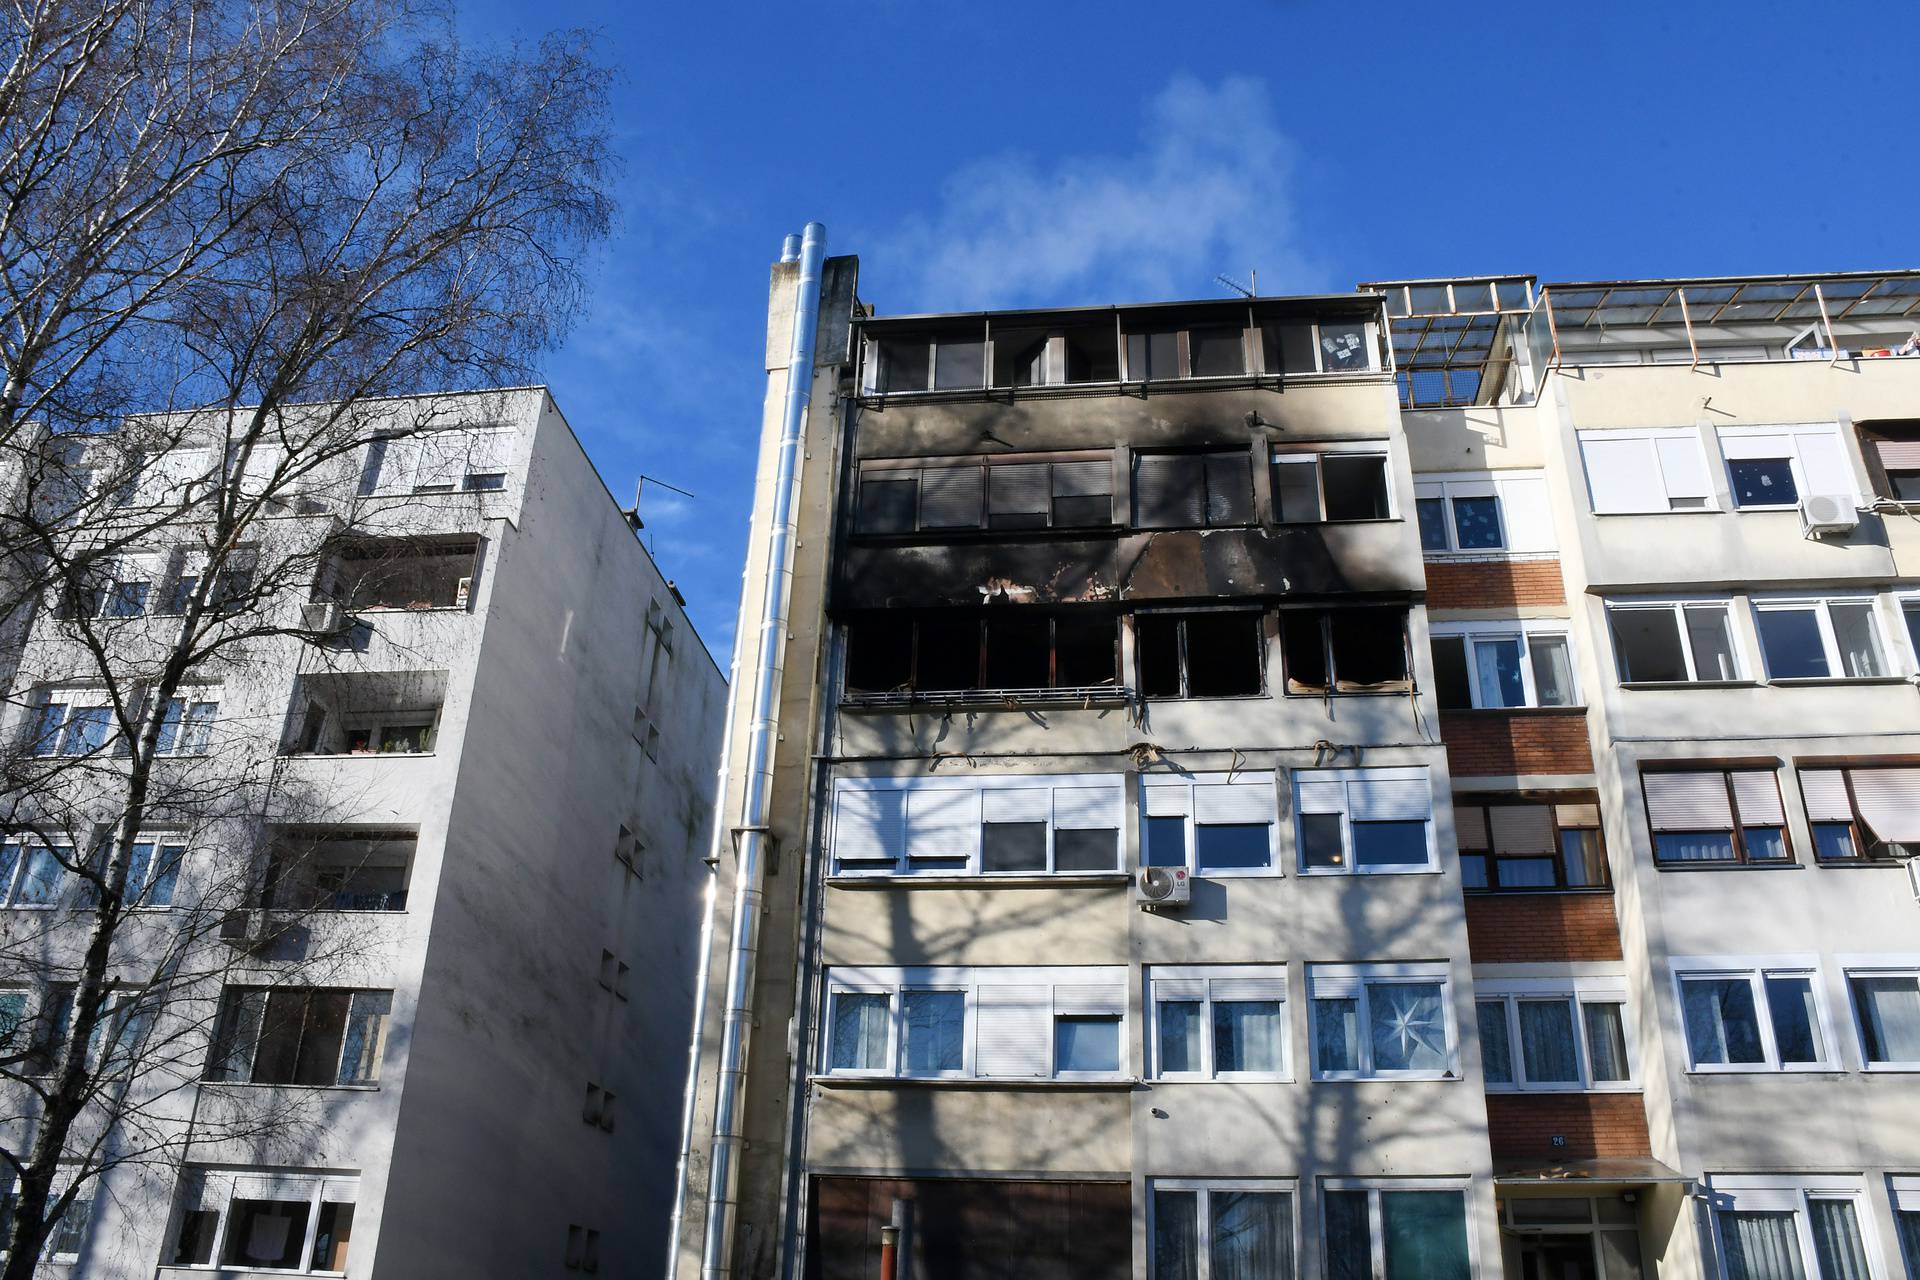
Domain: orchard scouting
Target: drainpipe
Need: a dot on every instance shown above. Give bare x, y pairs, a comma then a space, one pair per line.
716, 1259
789, 252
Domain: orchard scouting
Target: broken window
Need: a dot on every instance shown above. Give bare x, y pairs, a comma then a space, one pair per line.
1312, 487
299, 1035
263, 1219
399, 573
1006, 648
1208, 654
1024, 358
1192, 490
1892, 451
1068, 493
1356, 650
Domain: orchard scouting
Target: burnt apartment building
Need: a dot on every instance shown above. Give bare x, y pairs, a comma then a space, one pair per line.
1402, 784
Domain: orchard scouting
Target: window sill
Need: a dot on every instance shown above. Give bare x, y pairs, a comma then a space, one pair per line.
385, 610
1491, 712
1490, 555
1119, 1084
1681, 511
1783, 864
1559, 1091
1796, 1069
1087, 696
304, 1088
1587, 890
1858, 864
1399, 690
1161, 386
1892, 1068
1037, 880
1689, 684
1330, 873
1795, 682
1398, 1077
359, 755
1158, 1081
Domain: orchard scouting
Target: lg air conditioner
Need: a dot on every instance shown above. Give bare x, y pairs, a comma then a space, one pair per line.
1155, 888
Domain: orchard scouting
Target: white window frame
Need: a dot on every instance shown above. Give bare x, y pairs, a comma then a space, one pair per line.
161, 841
227, 1176
232, 993
1186, 786
1279, 456
1756, 970
1344, 777
190, 696
1789, 1193
1445, 487
63, 1179
904, 866
1208, 975
1654, 468
402, 456
1823, 618
1907, 603
1376, 1221
1796, 434
1422, 973
28, 842
1524, 630
1579, 992
1875, 966
69, 696
894, 982
1677, 606
1203, 1216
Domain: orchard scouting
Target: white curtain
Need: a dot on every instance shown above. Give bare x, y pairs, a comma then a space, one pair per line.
1760, 1246
1890, 1012
1246, 1035
1409, 1027
1252, 1236
1546, 1041
1721, 1025
859, 1032
1836, 1240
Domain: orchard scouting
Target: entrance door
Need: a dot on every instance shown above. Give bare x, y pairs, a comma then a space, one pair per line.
1570, 1238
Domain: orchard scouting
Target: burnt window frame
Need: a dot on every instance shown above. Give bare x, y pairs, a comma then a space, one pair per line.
1742, 856
1394, 689
1869, 436
1259, 615
913, 472
1134, 458
1553, 802
981, 618
1294, 455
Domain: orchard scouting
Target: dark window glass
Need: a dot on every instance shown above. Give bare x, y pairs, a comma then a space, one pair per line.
266, 1234
278, 1052
1433, 523
1476, 522
319, 1061
1369, 647
1084, 651
903, 365
1090, 849
949, 655
1166, 842
1349, 1244
1153, 355
1834, 840
1763, 482
959, 364
1082, 511
1020, 357
1092, 355
1217, 353
1224, 653
879, 654
1905, 485
1450, 672
1013, 846
1582, 858
1398, 844
1693, 846
1765, 843
1356, 486
1473, 870
1343, 348
1647, 642
1231, 846
1288, 347
886, 506
1158, 637
1320, 840
1229, 488
1303, 648
194, 1247
1790, 638
1296, 490
1017, 651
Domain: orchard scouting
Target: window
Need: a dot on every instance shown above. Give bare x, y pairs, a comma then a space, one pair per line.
1309, 488
1771, 1226
1496, 666
1645, 471
33, 873
1395, 1230
1553, 1034
1214, 823
583, 1249
66, 1233
299, 1035
1220, 1022
1819, 639
1239, 1229
954, 360
186, 723
1745, 1015
1780, 466
468, 459
73, 722
1215, 653
1192, 490
153, 870
1381, 1021
170, 478
1344, 650
1068, 493
1366, 821
976, 1023
1008, 650
1892, 450
1211, 351
1015, 824
1861, 812
340, 869
121, 587
1910, 614
1477, 513
261, 1219
1906, 1218
1524, 844
380, 574
1673, 642
1705, 816
1332, 346
1886, 1010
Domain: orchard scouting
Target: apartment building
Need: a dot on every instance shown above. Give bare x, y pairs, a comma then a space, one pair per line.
477, 732
1410, 783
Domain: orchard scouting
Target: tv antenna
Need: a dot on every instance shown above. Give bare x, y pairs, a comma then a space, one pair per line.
632, 514
1245, 291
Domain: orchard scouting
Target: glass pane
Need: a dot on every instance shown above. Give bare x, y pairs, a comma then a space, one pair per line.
1089, 849
903, 365
1252, 1236
1336, 1034
1834, 840
1497, 663
1693, 846
1296, 490
1711, 645
1349, 1243
1216, 353
1790, 638
1722, 1025
1765, 843
859, 1032
1582, 858
1232, 846
1433, 523
1760, 1246
1854, 636
1181, 1026
1476, 521
1763, 482
41, 882
1889, 1017
958, 365
1546, 1042
1910, 611
1409, 1026
1401, 843
1086, 1043
886, 505
1473, 870
266, 1233
1426, 1234
1836, 1240
1450, 672
1606, 1042
1013, 846
1647, 644
1343, 348
932, 1029
1176, 1235
1907, 1222
1552, 671
1166, 842
1247, 1036
1496, 1045
1796, 1029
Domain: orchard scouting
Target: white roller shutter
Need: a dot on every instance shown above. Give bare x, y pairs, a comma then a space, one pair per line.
1823, 462
255, 1186
1098, 999
1323, 984
1826, 795
1014, 1030
1620, 474
1682, 466
1274, 988
1166, 800
870, 826
1179, 989
1087, 808
1522, 828
1688, 801
950, 498
488, 452
340, 1190
1321, 797
1771, 444
1889, 802
1527, 513
943, 823
1389, 799
1756, 793
1234, 802
1014, 804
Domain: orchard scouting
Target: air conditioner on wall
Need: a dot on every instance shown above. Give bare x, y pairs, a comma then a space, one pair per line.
1155, 888
1825, 513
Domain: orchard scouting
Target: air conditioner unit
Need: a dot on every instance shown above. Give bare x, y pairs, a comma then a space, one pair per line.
247, 929
1158, 887
324, 616
1824, 513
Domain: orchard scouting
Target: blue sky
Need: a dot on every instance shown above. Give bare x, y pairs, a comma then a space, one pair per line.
995, 155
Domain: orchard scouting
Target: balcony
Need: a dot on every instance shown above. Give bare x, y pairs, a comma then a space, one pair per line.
374, 713
339, 869
385, 574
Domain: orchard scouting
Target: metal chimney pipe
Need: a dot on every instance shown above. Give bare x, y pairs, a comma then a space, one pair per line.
723, 1183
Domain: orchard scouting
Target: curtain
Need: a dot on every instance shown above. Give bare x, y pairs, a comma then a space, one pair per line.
1546, 1042
1426, 1234
1336, 1034
1252, 1236
1721, 1024
1349, 1246
1180, 1031
1176, 1235
1496, 1047
1606, 1042
1760, 1246
1890, 1017
1246, 1035
1409, 1027
1790, 1005
859, 1032
1497, 663
1836, 1240
1552, 671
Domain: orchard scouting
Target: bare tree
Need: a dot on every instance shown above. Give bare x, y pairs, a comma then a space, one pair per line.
231, 234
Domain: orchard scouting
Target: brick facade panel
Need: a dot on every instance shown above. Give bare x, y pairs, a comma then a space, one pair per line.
1524, 928
1507, 743
1453, 584
1596, 1126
